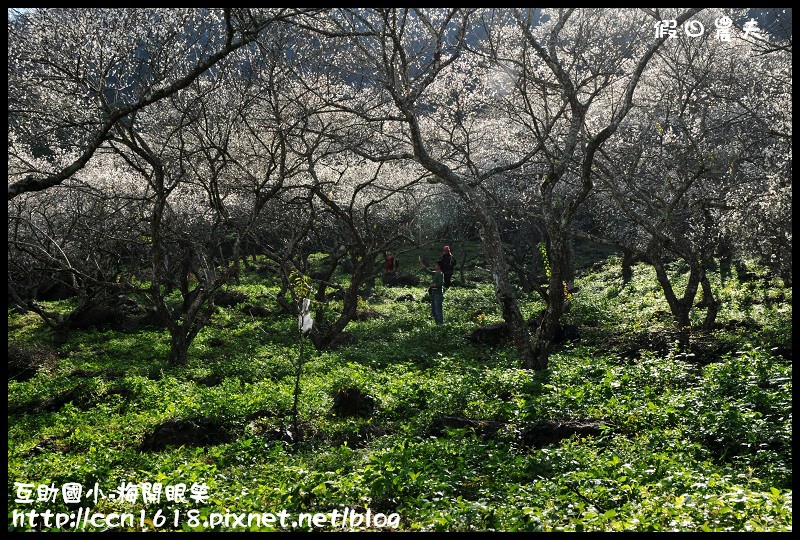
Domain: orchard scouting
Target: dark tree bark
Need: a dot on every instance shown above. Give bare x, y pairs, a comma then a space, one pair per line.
680, 307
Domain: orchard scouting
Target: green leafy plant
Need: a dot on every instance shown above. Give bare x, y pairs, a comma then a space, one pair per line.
685, 441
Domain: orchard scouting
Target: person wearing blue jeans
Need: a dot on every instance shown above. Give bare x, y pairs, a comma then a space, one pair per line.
437, 291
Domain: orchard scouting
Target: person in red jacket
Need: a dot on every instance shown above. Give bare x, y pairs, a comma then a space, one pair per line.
391, 263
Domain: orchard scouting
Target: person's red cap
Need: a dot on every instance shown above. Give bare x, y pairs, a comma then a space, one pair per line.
447, 248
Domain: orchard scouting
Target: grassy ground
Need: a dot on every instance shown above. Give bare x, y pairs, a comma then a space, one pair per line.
685, 441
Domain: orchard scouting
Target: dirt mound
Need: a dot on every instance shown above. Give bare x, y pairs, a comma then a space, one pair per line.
197, 431
352, 401
25, 361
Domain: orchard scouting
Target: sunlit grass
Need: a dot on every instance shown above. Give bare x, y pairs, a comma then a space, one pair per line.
687, 446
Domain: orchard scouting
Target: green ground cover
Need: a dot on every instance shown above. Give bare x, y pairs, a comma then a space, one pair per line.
684, 441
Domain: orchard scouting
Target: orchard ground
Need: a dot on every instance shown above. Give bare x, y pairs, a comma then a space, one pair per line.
413, 419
